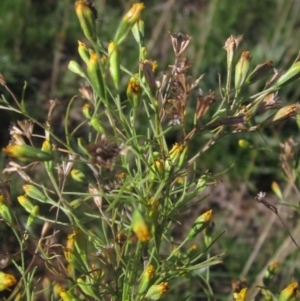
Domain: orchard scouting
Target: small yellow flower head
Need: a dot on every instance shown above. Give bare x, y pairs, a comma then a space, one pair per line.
78, 176
241, 296
200, 224
65, 295
140, 227
289, 293
83, 52
148, 274
86, 111
134, 91
156, 291
178, 154
134, 13
25, 202
26, 153
127, 22
46, 147
86, 14
95, 75
70, 241
276, 189
6, 281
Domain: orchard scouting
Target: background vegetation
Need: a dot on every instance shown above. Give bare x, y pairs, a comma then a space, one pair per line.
38, 39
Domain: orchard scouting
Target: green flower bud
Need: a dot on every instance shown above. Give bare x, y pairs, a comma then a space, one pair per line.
156, 291
200, 224
86, 111
276, 189
244, 144
138, 31
96, 124
5, 211
25, 202
95, 76
272, 270
140, 227
147, 276
75, 67
65, 295
241, 70
127, 22
33, 215
83, 52
6, 281
289, 293
260, 71
87, 18
134, 91
34, 193
78, 176
114, 63
26, 153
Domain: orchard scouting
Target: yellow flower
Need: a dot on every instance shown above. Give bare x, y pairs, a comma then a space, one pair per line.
241, 296
289, 293
156, 291
6, 281
140, 227
26, 153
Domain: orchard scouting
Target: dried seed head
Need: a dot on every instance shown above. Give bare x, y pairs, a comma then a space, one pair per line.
180, 42
103, 153
231, 45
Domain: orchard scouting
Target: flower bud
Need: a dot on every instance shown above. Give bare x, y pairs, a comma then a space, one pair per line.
75, 67
138, 31
241, 70
78, 176
241, 296
87, 14
200, 224
6, 281
114, 63
83, 52
34, 193
140, 227
86, 111
5, 211
260, 71
244, 144
33, 215
272, 270
127, 22
25, 202
134, 91
289, 293
156, 291
65, 295
276, 189
95, 75
147, 276
26, 153
96, 124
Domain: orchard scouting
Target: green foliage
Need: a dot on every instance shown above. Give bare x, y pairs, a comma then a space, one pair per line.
103, 197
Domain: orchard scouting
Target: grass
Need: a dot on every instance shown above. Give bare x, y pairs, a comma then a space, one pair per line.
118, 191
